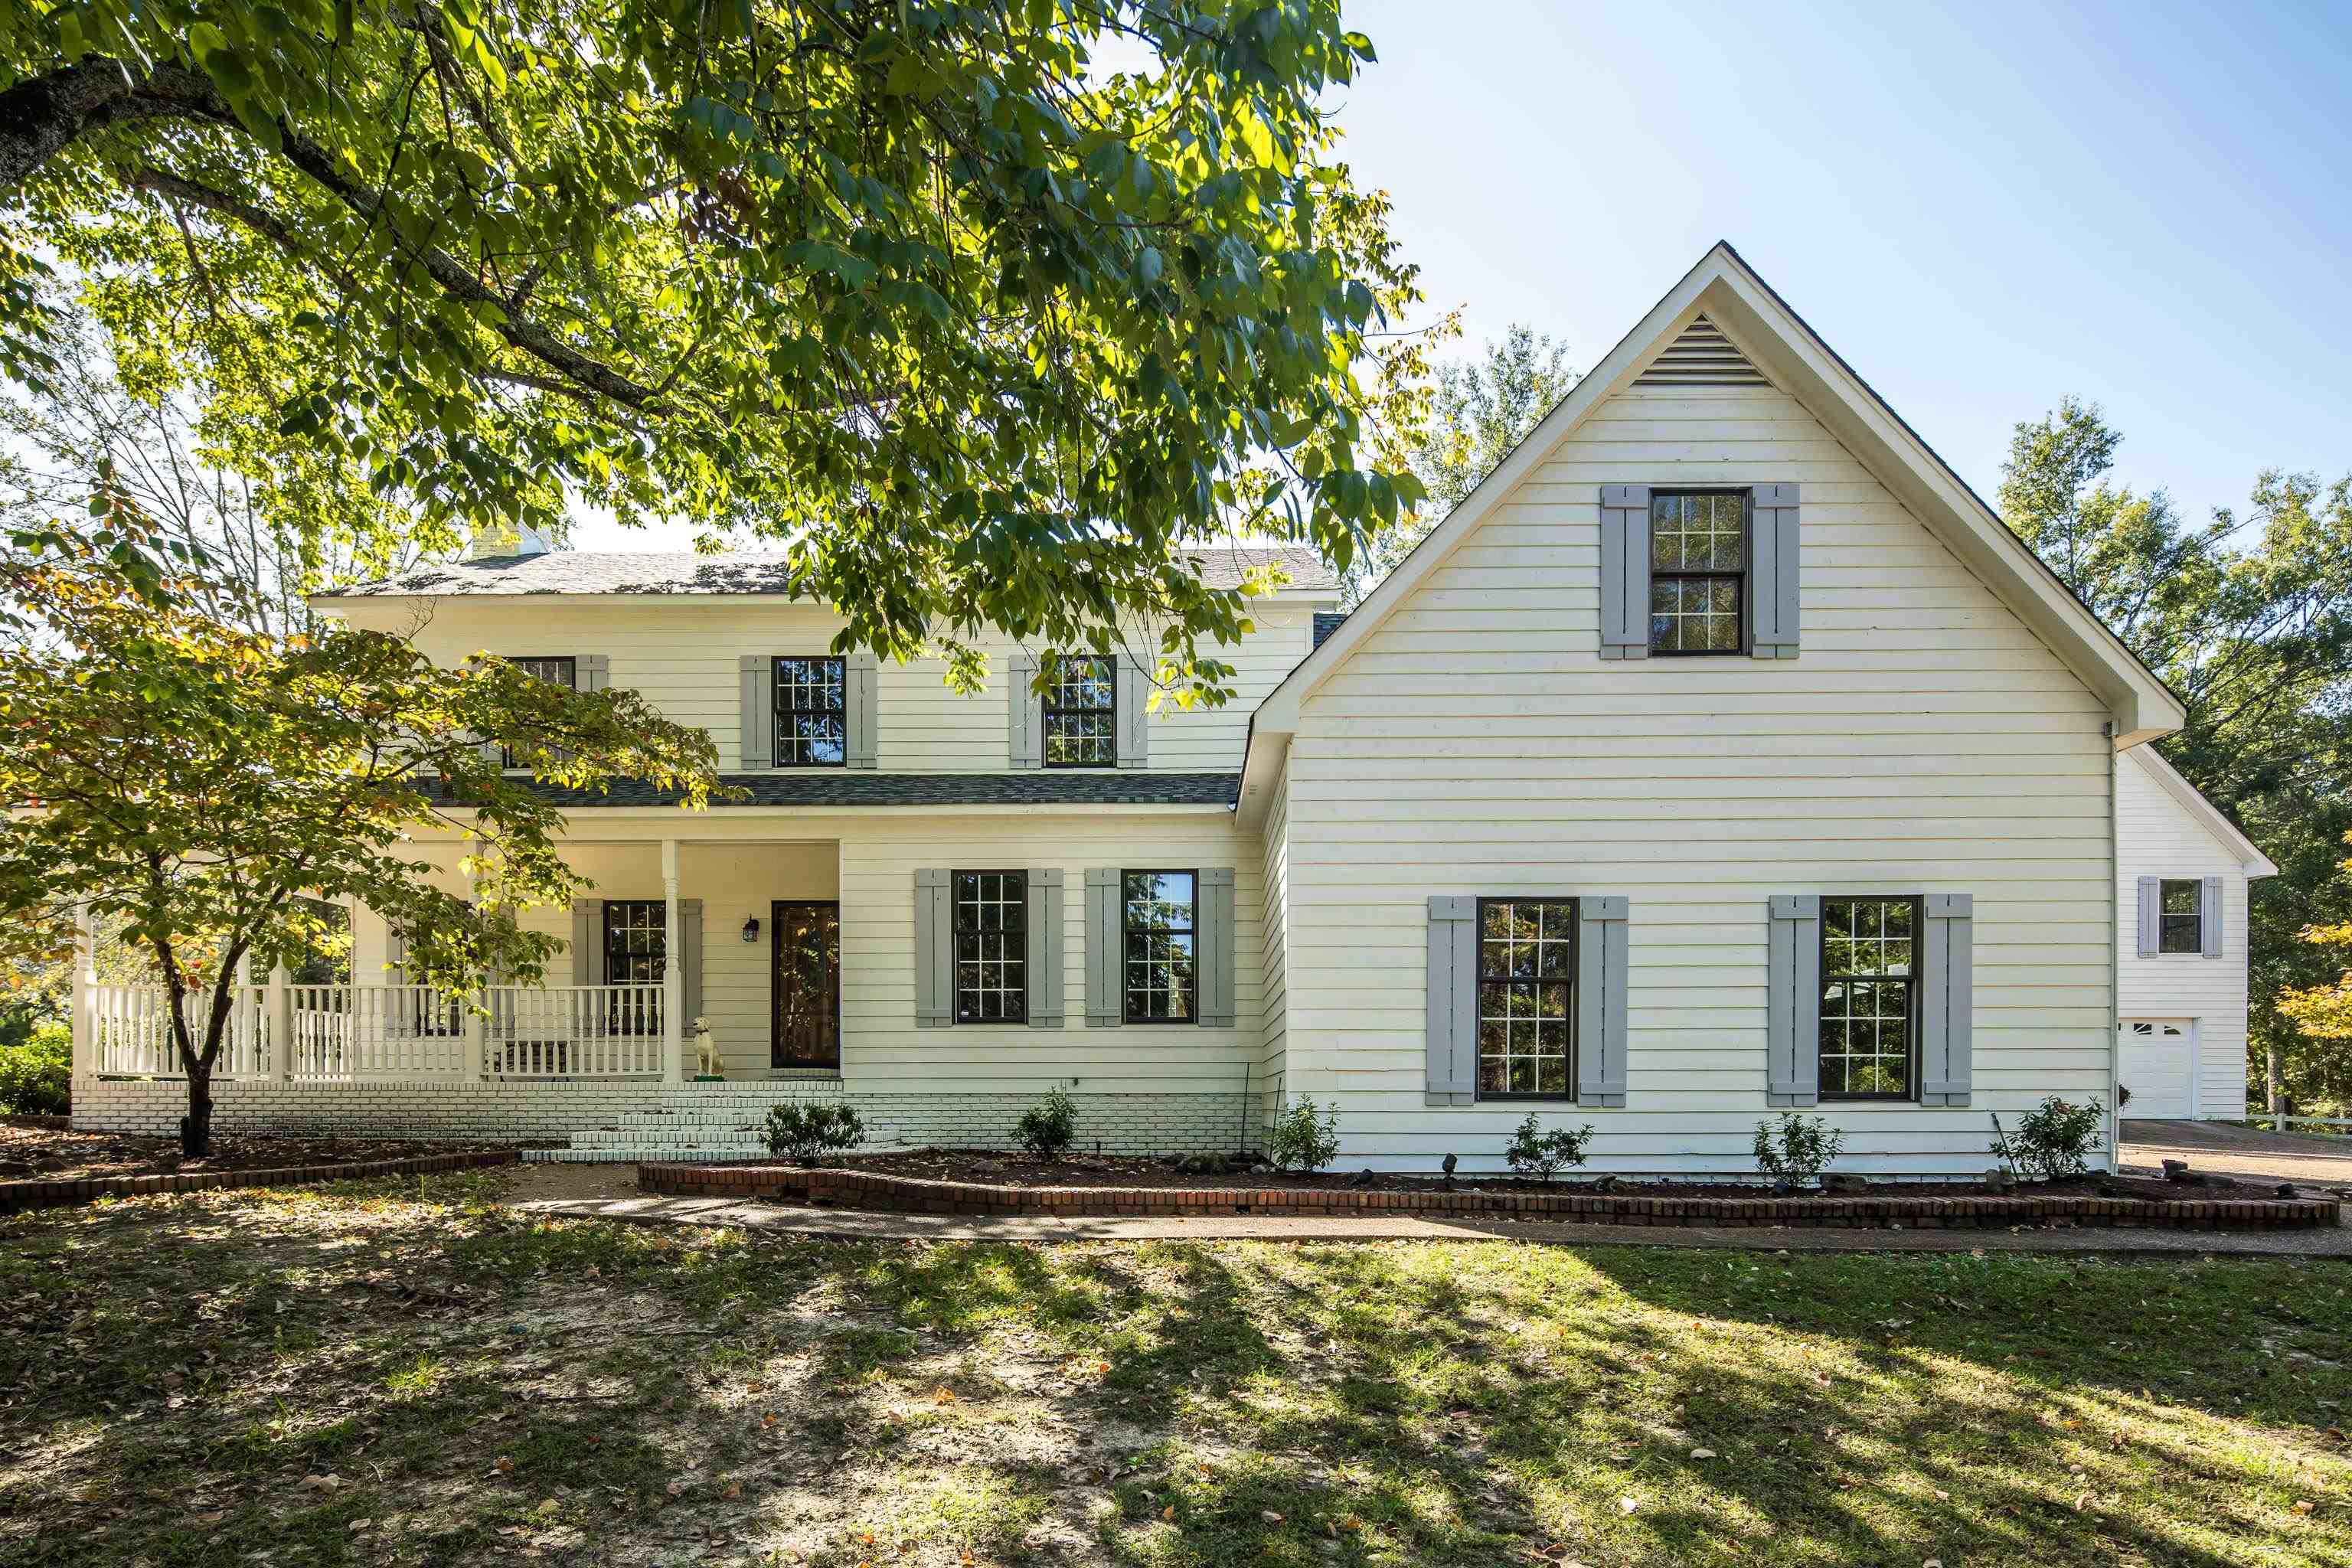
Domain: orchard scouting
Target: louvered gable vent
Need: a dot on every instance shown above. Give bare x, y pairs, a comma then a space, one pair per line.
1702, 356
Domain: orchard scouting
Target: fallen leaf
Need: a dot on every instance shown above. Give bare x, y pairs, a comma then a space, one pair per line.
1702, 1453
503, 1465
944, 1395
677, 1488
1626, 1505
1270, 1517
2304, 1505
359, 1524
734, 1489
1167, 1512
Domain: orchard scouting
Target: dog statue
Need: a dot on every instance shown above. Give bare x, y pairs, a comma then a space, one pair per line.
706, 1051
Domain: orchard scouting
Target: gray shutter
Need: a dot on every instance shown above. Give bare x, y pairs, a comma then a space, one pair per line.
689, 964
1452, 1031
1624, 570
934, 951
587, 941
1212, 941
758, 723
1133, 720
1793, 1026
596, 671
1773, 573
1046, 940
1601, 934
2151, 916
1024, 712
864, 678
395, 957
2208, 919
1946, 1015
1105, 998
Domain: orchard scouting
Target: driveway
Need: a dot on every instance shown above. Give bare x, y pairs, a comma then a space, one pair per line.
2303, 1158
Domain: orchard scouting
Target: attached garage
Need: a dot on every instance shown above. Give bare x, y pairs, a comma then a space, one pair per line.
2159, 1067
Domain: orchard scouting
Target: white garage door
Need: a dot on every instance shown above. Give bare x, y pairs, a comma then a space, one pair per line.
2156, 1067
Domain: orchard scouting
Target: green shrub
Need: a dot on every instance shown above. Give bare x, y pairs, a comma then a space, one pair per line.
37, 1077
1798, 1150
1047, 1127
1538, 1154
2052, 1140
1302, 1139
810, 1132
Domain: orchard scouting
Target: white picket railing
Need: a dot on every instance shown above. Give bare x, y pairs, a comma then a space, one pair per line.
346, 1033
572, 1031
131, 1030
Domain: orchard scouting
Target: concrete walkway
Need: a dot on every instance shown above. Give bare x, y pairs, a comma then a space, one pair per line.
853, 1224
2246, 1153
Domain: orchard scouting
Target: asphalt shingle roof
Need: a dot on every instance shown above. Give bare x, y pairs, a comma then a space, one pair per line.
844, 787
687, 573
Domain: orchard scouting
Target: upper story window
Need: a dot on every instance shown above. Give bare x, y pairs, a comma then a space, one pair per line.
1699, 565
1527, 972
1081, 714
563, 672
1157, 918
992, 947
1869, 964
2180, 926
812, 712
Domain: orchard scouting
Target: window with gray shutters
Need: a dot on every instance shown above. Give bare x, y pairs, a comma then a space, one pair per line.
812, 712
992, 947
1081, 713
1526, 981
1869, 1010
2180, 915
1160, 912
563, 672
1699, 572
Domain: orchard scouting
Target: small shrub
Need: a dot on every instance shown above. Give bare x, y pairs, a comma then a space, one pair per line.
1798, 1150
2051, 1141
37, 1077
1539, 1154
1303, 1139
810, 1132
1047, 1127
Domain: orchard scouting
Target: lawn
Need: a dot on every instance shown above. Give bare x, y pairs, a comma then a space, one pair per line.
409, 1372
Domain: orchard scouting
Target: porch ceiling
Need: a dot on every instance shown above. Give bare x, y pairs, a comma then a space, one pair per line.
848, 787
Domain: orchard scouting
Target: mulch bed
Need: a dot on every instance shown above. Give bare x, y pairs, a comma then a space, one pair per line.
52, 1154
47, 1192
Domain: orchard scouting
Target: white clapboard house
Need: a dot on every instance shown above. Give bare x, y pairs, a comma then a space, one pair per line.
1723, 754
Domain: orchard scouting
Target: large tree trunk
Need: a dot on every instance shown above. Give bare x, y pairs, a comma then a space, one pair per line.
41, 116
196, 1126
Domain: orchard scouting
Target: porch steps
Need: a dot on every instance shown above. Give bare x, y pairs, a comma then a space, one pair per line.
681, 1124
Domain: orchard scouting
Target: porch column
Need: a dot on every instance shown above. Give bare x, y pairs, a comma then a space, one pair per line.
85, 1002
673, 972
282, 1023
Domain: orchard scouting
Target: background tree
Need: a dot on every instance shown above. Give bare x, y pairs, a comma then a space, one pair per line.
2248, 618
196, 786
983, 331
2321, 1010
1470, 414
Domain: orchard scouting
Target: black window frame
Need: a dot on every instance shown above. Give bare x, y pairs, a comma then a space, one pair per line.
1050, 710
527, 663
1018, 901
658, 927
1739, 578
1909, 981
2167, 919
1566, 983
1129, 931
782, 716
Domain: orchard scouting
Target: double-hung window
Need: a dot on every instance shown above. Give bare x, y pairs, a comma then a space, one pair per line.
1869, 1018
2180, 920
635, 940
563, 672
1526, 976
992, 947
811, 713
1699, 572
1081, 713
1158, 916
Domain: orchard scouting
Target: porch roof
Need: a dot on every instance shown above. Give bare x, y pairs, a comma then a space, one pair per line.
844, 787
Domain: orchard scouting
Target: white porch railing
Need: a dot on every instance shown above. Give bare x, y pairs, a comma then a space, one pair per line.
351, 1034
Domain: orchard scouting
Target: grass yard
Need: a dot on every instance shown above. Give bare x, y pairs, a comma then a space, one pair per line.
408, 1373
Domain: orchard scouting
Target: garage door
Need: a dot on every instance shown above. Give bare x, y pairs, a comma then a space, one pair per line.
2156, 1067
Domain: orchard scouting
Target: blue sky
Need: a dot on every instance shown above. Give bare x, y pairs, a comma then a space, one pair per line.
1982, 208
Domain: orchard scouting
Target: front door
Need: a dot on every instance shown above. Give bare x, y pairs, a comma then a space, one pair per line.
806, 984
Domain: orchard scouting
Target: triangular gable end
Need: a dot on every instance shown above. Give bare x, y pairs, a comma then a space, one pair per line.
2210, 818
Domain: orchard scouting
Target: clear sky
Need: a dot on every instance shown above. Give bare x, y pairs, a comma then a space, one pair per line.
1982, 207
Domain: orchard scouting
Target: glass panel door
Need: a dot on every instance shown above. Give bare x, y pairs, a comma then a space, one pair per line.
806, 986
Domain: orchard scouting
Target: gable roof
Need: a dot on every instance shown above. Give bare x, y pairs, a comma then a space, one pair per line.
2211, 818
634, 572
1760, 330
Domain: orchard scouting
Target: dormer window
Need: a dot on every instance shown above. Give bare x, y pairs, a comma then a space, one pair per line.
1081, 714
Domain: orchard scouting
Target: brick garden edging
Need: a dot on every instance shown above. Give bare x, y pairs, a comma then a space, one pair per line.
906, 1194
40, 1193
38, 1120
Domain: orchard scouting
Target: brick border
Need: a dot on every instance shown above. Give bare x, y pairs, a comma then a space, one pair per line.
906, 1194
30, 1194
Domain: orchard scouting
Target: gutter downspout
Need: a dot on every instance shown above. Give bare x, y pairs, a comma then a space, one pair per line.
2115, 963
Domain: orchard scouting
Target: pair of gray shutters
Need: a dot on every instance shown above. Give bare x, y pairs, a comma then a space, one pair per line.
1772, 598
861, 679
1453, 1021
588, 953
1942, 969
1025, 715
2151, 917
1212, 947
590, 672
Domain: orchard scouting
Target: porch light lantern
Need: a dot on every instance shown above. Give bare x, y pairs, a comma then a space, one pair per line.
751, 928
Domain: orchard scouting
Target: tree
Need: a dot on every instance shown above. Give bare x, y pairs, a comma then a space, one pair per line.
2249, 620
196, 786
1476, 412
985, 332
2321, 1011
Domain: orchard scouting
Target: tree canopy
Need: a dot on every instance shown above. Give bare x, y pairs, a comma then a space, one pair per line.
983, 313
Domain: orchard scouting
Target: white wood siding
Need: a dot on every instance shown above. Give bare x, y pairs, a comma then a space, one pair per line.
1475, 743
2156, 836
684, 654
1274, 957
